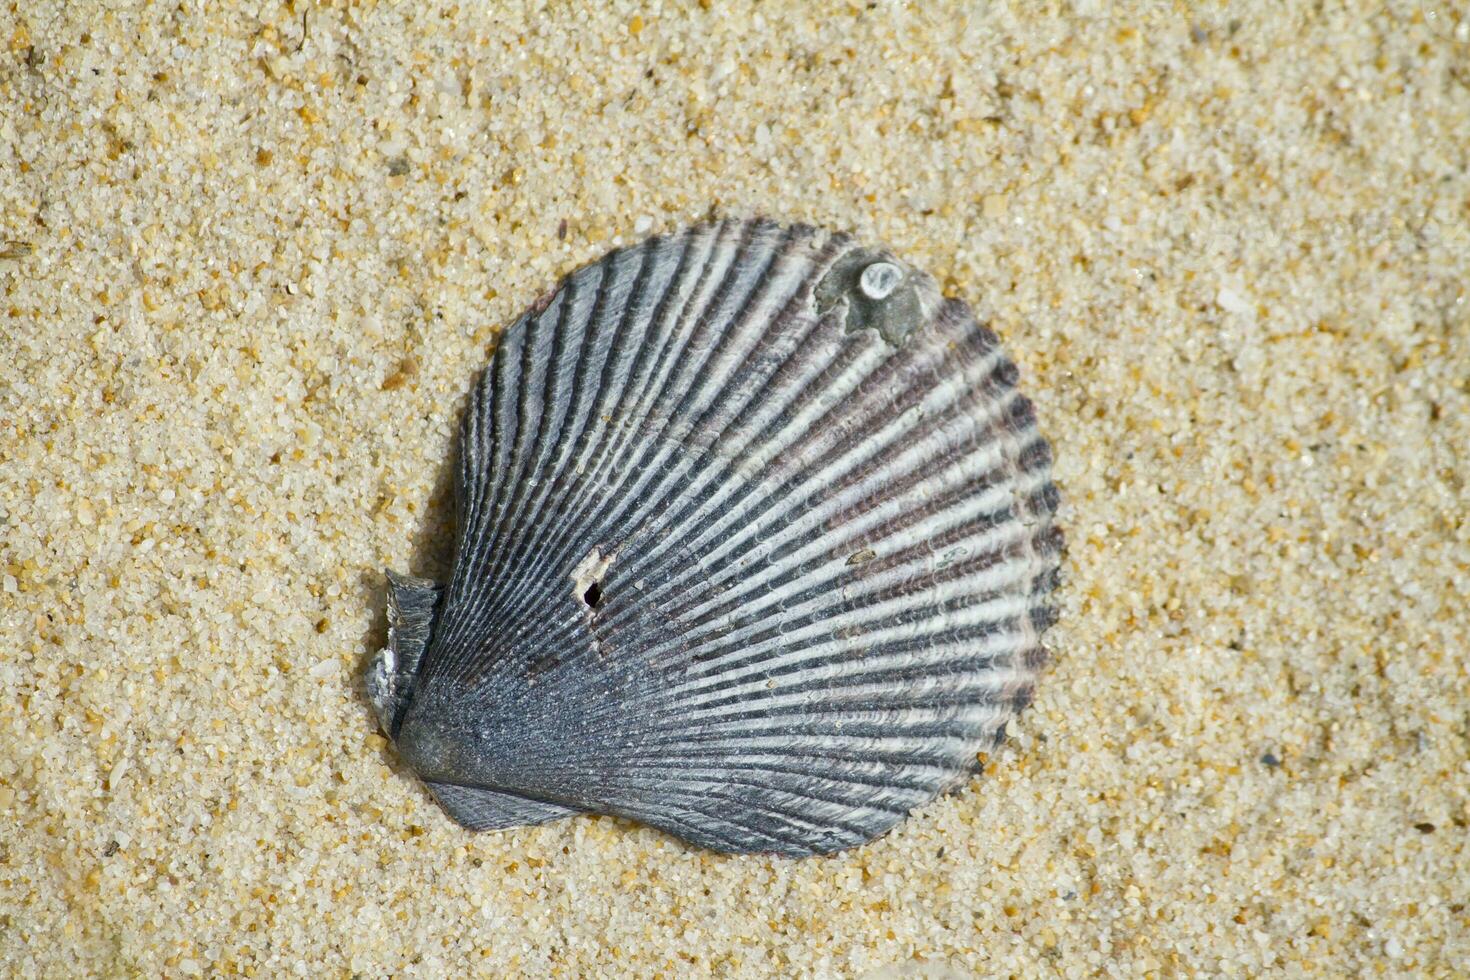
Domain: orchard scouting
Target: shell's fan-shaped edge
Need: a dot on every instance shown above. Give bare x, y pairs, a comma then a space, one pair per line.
755, 543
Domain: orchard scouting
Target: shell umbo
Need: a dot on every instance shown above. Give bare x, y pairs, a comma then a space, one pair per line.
755, 542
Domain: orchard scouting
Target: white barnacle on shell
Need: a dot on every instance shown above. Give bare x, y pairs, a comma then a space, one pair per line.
879, 279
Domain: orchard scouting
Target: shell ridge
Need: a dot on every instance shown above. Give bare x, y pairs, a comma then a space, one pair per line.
792, 395
863, 736
481, 444
817, 665
810, 811
622, 339
714, 433
648, 291
890, 756
787, 490
767, 650
928, 687
886, 610
895, 773
1020, 433
480, 449
472, 454
756, 523
713, 325
482, 809
713, 830
950, 649
680, 385
853, 808
758, 835
684, 633
649, 778
481, 470
556, 444
726, 252
757, 343
726, 510
643, 348
716, 325
708, 471
877, 509
623, 530
984, 646
675, 704
800, 672
544, 410
805, 564
577, 349
796, 487
850, 784
786, 832
729, 260
693, 487
563, 348
663, 323
804, 817
770, 650
947, 746
877, 778
523, 376
785, 570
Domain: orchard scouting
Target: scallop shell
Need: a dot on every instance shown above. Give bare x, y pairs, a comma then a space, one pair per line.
755, 544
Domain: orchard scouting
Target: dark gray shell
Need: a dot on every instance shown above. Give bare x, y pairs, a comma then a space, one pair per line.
755, 543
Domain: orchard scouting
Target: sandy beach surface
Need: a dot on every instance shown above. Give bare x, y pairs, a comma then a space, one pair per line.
251, 262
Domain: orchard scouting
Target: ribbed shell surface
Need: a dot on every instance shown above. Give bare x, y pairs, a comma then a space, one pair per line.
742, 554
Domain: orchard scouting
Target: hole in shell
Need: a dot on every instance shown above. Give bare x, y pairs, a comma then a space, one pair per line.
587, 578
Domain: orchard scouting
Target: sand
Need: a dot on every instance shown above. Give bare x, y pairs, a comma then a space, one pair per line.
252, 261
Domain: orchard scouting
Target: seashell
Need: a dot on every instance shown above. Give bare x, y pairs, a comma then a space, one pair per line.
755, 544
